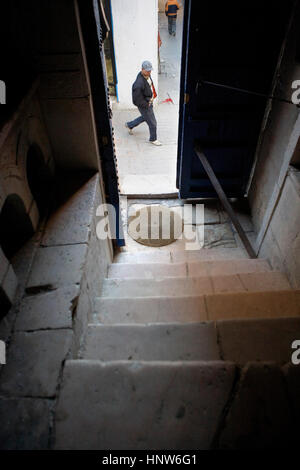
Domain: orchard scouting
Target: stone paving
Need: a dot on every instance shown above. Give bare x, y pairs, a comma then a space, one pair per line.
144, 169
58, 271
218, 229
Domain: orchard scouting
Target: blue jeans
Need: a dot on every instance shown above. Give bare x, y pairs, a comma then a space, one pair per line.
171, 25
147, 115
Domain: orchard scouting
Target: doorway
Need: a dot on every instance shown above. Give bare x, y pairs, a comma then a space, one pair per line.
145, 170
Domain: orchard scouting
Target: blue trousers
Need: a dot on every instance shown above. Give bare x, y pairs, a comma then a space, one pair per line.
172, 24
147, 115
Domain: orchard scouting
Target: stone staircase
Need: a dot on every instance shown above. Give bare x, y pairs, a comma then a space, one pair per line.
179, 348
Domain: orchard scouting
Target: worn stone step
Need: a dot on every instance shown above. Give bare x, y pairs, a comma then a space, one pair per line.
239, 341
147, 270
141, 405
190, 286
190, 269
262, 340
271, 304
152, 342
163, 255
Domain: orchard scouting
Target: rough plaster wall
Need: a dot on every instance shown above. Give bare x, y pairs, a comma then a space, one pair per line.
282, 242
276, 137
64, 91
274, 192
99, 256
135, 25
47, 35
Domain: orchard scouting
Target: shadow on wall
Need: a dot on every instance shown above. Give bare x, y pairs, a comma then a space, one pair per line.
15, 225
40, 178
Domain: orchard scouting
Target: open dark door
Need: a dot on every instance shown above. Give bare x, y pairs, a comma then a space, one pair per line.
94, 30
236, 44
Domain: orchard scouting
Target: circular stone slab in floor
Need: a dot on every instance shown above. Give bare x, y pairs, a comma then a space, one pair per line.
155, 225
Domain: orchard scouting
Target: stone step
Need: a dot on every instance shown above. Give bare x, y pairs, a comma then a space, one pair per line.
239, 341
194, 286
271, 304
152, 342
165, 255
190, 269
141, 405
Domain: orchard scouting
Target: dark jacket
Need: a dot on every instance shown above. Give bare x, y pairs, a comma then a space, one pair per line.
141, 92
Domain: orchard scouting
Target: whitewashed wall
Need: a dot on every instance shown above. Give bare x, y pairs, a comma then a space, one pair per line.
135, 24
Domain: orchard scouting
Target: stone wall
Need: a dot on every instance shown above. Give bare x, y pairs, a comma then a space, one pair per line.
274, 193
47, 35
25, 130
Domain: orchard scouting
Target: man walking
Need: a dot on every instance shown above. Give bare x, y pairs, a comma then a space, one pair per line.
143, 94
171, 9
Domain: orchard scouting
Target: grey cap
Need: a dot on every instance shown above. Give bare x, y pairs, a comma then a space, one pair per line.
146, 65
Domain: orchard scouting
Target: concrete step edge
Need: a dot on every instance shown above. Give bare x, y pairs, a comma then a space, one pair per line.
216, 294
203, 363
187, 278
170, 256
196, 261
186, 269
159, 279
191, 324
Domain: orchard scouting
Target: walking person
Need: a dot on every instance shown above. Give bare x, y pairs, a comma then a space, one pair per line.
171, 9
143, 94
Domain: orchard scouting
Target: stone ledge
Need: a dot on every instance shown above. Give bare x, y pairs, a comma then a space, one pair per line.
48, 310
58, 266
34, 362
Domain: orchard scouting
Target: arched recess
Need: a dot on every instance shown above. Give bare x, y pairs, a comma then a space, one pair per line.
15, 225
39, 177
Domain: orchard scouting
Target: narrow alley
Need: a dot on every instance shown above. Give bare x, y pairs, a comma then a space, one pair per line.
142, 169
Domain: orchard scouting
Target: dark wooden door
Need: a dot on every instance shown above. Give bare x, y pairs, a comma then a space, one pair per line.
235, 44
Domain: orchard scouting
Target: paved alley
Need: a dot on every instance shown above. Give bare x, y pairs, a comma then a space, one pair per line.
145, 169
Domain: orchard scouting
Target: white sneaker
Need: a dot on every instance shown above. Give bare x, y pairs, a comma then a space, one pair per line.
155, 142
129, 129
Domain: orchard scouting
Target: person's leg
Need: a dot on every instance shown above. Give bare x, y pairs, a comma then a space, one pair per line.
150, 119
135, 122
173, 26
170, 24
